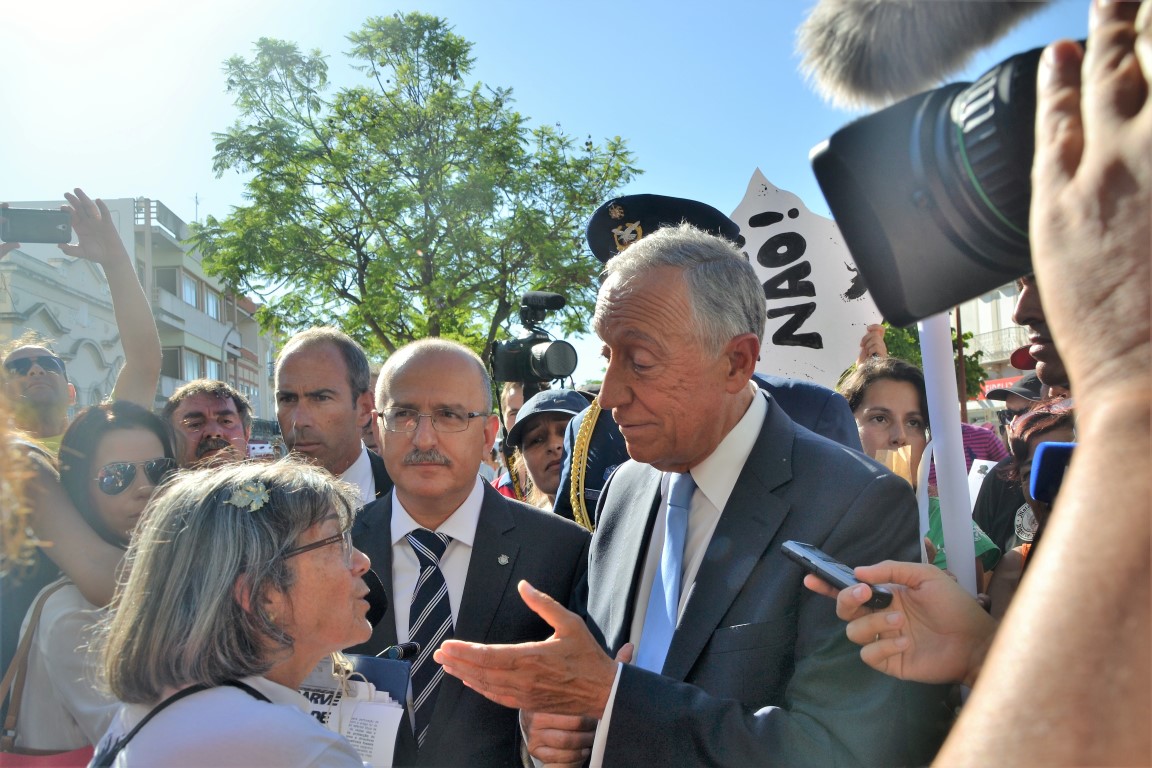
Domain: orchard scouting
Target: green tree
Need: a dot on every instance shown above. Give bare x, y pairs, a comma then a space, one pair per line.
416, 205
904, 343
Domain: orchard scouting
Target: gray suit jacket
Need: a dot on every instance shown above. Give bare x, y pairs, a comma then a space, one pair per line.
760, 671
551, 553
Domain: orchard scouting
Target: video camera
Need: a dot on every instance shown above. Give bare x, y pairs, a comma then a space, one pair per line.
535, 357
932, 193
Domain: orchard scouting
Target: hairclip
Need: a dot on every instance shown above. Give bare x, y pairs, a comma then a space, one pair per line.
251, 496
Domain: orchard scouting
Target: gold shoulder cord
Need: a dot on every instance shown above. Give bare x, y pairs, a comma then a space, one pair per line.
580, 465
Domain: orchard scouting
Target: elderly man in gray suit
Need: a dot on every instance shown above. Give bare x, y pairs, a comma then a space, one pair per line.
450, 551
736, 663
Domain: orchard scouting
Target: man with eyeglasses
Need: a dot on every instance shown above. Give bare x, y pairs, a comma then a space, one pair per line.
210, 422
451, 551
323, 403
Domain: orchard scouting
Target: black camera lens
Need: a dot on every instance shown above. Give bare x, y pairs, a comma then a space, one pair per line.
932, 193
552, 360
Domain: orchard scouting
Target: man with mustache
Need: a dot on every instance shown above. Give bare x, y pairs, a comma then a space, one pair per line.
210, 422
450, 551
324, 401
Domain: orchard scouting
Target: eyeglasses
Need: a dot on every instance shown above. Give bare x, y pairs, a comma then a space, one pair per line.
443, 419
118, 477
344, 537
49, 363
1007, 415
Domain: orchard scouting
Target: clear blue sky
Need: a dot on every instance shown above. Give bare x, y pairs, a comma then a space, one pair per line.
122, 98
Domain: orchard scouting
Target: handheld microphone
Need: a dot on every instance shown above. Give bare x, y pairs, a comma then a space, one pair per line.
401, 652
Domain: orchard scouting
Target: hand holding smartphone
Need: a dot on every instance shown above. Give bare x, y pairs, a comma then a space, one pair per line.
832, 571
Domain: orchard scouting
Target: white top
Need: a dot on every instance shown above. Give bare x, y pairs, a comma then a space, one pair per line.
61, 707
225, 726
360, 475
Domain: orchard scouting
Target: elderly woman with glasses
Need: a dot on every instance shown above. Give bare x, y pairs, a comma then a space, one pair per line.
240, 580
112, 458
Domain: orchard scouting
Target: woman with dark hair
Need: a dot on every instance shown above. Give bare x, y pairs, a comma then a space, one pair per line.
240, 580
112, 458
890, 403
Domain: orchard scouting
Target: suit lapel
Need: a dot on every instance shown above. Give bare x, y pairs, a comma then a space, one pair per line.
746, 528
621, 537
372, 534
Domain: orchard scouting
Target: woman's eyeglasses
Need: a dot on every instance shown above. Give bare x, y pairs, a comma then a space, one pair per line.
345, 539
117, 477
50, 364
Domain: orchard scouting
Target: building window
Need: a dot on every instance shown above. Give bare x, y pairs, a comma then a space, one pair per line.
166, 279
212, 303
212, 369
189, 290
192, 365
170, 362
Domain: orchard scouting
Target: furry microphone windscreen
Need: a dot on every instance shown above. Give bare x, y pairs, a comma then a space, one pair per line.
869, 53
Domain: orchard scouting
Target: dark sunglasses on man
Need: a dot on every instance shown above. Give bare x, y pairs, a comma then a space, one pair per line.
118, 476
50, 364
1008, 415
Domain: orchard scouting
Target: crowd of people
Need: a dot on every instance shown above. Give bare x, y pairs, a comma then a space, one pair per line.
612, 592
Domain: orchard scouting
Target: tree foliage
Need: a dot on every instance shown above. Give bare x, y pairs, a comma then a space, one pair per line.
412, 205
904, 343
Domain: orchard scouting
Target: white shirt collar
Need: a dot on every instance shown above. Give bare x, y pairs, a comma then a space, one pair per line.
460, 525
716, 476
279, 694
360, 475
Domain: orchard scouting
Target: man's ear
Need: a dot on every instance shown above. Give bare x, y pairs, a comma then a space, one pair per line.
364, 405
491, 429
740, 354
71, 393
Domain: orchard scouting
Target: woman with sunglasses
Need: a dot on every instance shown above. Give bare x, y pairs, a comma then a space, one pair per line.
240, 580
112, 458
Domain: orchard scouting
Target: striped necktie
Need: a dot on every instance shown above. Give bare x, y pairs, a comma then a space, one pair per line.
429, 624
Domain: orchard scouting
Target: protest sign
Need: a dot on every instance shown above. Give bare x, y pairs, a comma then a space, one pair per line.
817, 308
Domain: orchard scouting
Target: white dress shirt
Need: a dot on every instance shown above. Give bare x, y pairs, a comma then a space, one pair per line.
461, 526
360, 475
715, 478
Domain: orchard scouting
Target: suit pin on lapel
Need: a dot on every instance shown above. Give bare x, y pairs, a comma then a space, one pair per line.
503, 559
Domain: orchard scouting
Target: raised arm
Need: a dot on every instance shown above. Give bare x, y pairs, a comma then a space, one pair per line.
1066, 681
99, 242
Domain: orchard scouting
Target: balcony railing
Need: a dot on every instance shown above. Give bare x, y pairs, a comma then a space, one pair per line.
161, 216
999, 345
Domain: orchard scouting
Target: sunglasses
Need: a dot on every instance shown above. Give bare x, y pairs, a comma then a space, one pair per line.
22, 365
1007, 415
118, 477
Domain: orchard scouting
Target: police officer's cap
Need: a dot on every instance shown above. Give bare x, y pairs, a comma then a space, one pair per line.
624, 220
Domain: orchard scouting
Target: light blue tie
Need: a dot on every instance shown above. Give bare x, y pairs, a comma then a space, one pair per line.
664, 602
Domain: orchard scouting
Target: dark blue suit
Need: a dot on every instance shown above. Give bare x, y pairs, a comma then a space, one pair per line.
808, 404
760, 671
513, 541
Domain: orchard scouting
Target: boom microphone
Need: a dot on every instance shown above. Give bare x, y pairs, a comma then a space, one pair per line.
858, 53
543, 300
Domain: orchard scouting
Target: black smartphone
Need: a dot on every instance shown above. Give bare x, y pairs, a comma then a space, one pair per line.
832, 571
35, 225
